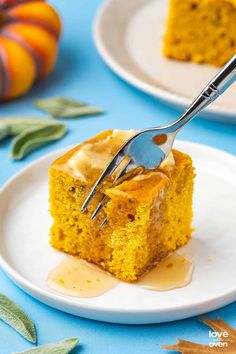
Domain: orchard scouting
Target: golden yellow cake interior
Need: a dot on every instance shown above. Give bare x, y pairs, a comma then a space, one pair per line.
202, 31
149, 214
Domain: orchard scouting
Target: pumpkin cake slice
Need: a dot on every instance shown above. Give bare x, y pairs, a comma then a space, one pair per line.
202, 31
149, 213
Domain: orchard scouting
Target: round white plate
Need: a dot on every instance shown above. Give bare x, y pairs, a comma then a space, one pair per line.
129, 37
27, 257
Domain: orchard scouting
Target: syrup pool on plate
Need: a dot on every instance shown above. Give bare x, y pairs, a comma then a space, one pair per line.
76, 277
173, 272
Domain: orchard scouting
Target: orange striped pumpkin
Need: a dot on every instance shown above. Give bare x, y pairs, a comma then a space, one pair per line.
29, 33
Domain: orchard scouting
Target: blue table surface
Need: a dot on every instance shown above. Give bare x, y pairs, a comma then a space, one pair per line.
81, 74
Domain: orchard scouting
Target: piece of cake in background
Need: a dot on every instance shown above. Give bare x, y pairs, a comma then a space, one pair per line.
149, 215
202, 31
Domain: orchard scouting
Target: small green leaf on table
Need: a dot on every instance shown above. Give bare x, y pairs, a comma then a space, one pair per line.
31, 139
30, 133
62, 107
14, 125
15, 317
62, 347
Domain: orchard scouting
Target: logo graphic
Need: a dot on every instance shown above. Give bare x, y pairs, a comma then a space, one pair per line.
217, 339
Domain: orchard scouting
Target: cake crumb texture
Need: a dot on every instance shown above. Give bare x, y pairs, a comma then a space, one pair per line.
202, 31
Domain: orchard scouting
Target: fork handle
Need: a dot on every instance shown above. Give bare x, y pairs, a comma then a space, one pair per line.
216, 87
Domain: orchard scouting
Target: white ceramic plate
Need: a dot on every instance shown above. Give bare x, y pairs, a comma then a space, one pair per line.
129, 37
27, 257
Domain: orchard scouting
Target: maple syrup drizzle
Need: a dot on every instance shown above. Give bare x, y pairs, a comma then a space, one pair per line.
173, 272
76, 277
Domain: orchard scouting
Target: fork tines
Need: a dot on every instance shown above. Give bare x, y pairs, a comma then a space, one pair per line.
118, 167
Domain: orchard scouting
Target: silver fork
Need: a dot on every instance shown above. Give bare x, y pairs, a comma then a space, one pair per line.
150, 147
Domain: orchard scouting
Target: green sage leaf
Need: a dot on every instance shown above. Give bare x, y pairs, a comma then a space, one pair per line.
14, 125
15, 317
62, 347
62, 107
32, 138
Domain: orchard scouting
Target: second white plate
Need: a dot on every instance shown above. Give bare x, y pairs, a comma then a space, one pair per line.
27, 257
129, 37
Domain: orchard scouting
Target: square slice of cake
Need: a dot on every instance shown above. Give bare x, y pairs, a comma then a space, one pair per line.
202, 31
149, 212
